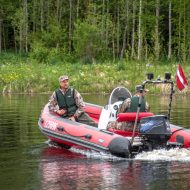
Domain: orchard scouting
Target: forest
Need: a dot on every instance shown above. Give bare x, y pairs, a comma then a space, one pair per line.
93, 30
100, 43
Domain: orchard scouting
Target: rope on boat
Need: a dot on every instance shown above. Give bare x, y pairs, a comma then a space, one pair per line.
177, 130
87, 136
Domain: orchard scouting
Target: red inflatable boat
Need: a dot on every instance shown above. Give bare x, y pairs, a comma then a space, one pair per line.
68, 133
154, 131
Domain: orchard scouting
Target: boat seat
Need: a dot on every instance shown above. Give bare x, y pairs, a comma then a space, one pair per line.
114, 108
108, 114
131, 116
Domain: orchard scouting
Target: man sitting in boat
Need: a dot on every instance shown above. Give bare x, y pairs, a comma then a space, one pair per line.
131, 105
68, 103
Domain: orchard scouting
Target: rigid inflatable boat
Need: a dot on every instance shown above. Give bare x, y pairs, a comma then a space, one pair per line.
68, 133
153, 132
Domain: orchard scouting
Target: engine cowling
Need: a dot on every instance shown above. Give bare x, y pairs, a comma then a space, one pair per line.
155, 130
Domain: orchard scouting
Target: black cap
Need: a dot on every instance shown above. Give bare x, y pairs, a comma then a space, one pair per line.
139, 88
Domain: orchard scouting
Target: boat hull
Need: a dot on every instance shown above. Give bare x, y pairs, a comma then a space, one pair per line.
70, 133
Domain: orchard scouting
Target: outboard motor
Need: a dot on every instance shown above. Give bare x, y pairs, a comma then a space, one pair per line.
155, 131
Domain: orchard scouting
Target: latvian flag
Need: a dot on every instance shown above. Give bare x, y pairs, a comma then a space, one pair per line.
181, 80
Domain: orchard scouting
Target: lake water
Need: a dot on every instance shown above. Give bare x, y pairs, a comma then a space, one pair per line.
27, 161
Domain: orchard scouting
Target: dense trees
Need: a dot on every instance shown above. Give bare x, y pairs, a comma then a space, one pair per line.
96, 29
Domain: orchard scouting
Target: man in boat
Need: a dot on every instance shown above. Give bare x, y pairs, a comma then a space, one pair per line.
68, 103
131, 105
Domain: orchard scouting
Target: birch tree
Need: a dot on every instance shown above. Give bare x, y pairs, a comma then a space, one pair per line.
25, 29
157, 44
70, 24
125, 30
140, 31
143, 29
1, 35
133, 29
170, 30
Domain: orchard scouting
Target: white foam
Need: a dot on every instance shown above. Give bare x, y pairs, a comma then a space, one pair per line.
96, 155
175, 154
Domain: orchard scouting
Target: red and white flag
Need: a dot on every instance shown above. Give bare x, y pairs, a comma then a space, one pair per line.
181, 80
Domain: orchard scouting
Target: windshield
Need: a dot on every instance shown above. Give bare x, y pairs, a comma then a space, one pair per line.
119, 94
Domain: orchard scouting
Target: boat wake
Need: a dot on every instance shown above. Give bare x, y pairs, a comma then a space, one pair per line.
175, 154
97, 155
88, 153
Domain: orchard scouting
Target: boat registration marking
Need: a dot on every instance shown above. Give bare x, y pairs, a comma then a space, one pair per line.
101, 140
51, 125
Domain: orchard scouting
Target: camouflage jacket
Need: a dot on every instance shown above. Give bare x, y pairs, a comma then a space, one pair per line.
53, 104
125, 125
126, 104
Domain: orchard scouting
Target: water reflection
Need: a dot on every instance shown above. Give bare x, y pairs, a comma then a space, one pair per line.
58, 172
26, 162
179, 110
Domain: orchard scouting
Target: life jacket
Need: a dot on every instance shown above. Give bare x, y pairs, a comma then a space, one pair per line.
66, 101
134, 105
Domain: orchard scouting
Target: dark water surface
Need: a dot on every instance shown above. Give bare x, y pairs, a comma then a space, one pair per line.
27, 162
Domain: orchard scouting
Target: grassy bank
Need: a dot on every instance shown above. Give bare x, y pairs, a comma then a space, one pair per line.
23, 75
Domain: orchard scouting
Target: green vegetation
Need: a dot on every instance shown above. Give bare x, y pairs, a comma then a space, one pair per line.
100, 43
100, 30
24, 75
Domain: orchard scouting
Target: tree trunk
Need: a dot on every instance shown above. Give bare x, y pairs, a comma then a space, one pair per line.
113, 44
118, 31
107, 23
103, 16
188, 33
184, 33
48, 14
1, 34
15, 42
140, 31
26, 25
34, 15
170, 31
78, 4
157, 44
4, 38
20, 38
103, 27
133, 31
41, 15
179, 31
57, 11
125, 32
70, 24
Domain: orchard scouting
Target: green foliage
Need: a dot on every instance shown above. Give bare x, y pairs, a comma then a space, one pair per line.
27, 76
49, 47
95, 30
86, 41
